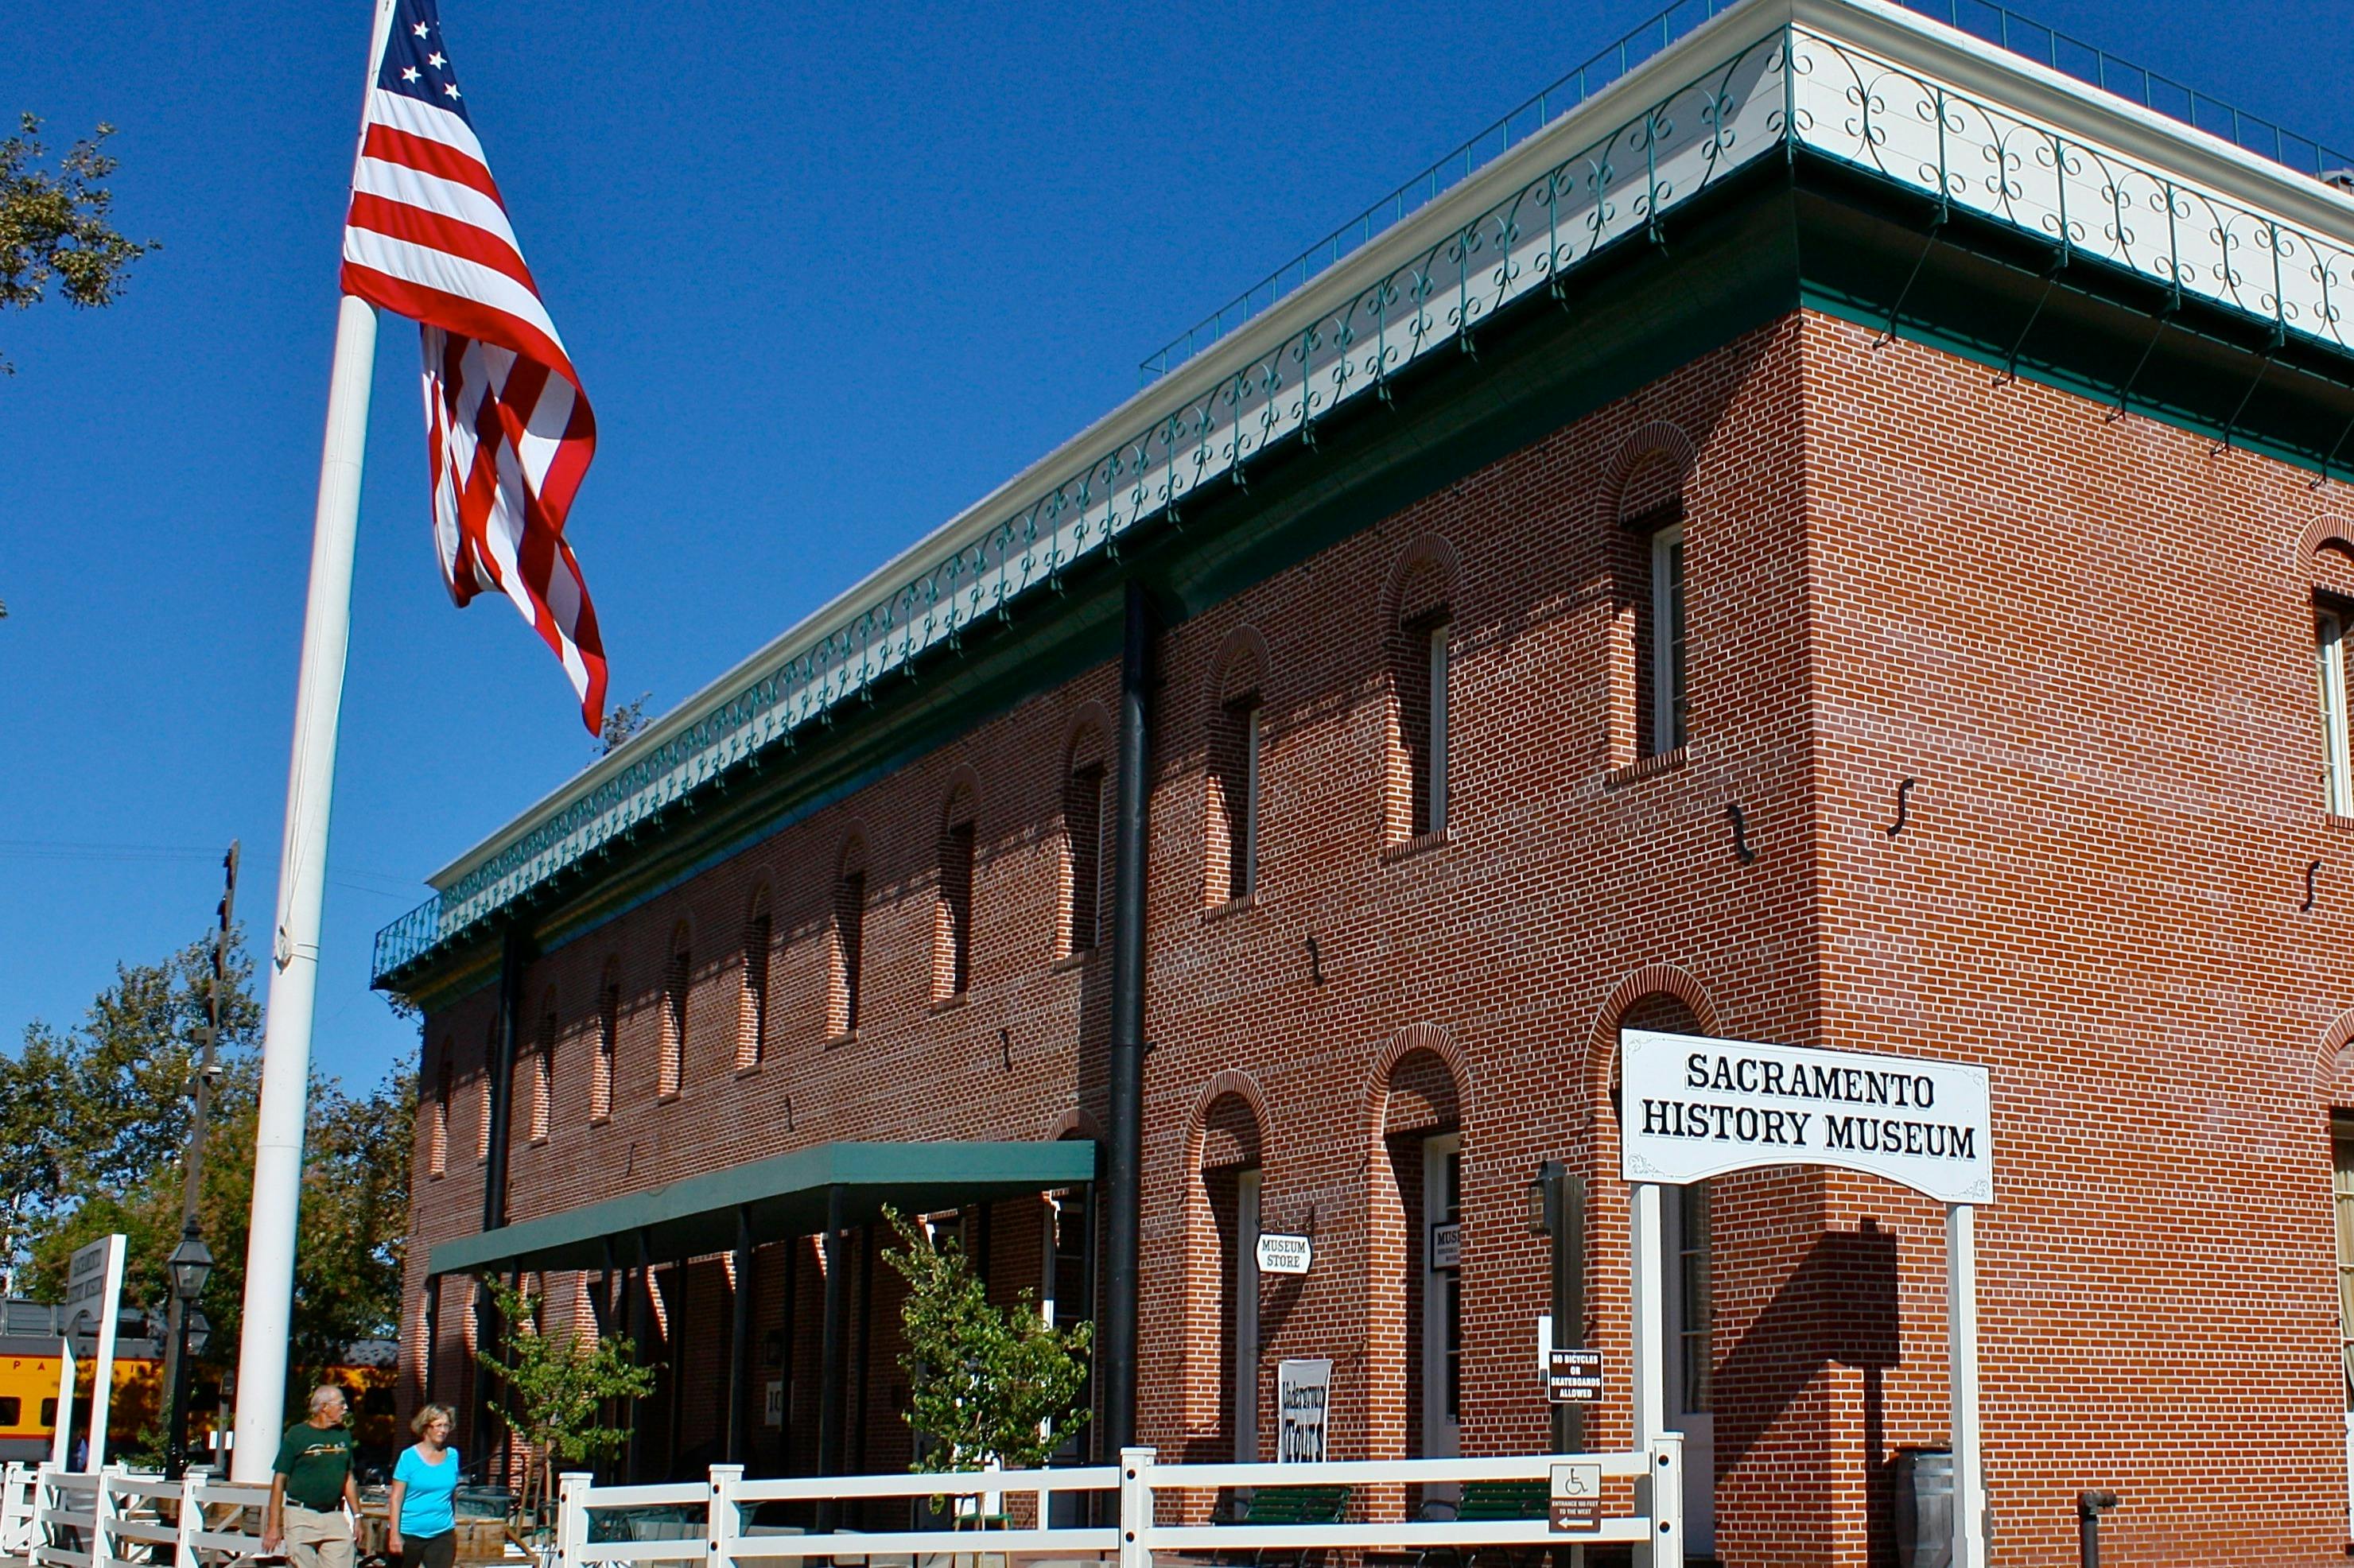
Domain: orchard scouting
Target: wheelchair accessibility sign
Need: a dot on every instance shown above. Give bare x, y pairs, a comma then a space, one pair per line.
1577, 1501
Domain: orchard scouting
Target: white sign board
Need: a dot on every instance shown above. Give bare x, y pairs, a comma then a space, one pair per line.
774, 1414
1279, 1253
1303, 1391
1447, 1245
1576, 1500
1696, 1108
94, 1295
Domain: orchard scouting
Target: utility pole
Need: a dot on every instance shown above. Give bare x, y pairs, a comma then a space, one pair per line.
192, 1260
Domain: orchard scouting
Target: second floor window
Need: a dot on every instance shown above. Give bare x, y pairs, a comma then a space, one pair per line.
437, 1151
2329, 628
1422, 678
1660, 650
752, 1006
543, 1077
952, 973
1083, 822
849, 943
609, 1045
675, 986
1232, 819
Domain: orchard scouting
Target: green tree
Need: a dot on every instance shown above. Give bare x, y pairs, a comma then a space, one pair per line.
55, 226
94, 1120
556, 1389
985, 1382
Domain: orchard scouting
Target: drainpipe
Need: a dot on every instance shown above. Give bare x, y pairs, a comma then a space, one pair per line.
2091, 1505
1124, 1170
513, 965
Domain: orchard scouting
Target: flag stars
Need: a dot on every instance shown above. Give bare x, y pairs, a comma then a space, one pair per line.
417, 28
451, 89
410, 73
437, 59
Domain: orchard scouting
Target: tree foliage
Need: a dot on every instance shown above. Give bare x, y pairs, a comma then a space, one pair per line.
622, 722
556, 1388
985, 1382
55, 226
94, 1124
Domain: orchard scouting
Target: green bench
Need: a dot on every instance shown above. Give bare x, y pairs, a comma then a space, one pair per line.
1489, 1502
1289, 1505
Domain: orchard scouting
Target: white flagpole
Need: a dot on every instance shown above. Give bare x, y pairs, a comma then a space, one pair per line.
302, 883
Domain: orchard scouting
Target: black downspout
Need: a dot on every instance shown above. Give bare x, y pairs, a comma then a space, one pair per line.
866, 1355
514, 960
831, 1380
1124, 1185
433, 1334
740, 1345
513, 965
641, 1281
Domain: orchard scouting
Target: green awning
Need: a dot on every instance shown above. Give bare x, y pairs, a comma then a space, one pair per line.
784, 1196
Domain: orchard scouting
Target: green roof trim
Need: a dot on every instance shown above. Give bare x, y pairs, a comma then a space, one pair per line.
782, 1197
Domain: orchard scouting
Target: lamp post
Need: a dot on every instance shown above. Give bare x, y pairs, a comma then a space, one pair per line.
191, 1265
191, 1262
1557, 1201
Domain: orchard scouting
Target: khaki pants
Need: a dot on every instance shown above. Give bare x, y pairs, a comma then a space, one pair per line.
318, 1540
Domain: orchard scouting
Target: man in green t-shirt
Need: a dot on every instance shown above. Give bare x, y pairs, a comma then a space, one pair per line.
313, 1479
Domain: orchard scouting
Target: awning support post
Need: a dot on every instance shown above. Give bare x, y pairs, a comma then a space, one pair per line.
1647, 1232
832, 1389
1962, 1337
739, 1343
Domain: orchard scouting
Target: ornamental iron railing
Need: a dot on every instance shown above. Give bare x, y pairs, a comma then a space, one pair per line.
2005, 30
2087, 202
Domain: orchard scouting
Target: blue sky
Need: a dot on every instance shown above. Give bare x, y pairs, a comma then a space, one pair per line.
830, 271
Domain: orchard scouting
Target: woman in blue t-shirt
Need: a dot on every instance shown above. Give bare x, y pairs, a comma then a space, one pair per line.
424, 1489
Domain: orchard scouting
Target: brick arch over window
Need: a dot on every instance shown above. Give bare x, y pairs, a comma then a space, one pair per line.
1420, 1084
1226, 1132
1074, 1121
2333, 1064
752, 995
2324, 532
1239, 669
1649, 468
1636, 1000
1425, 577
677, 996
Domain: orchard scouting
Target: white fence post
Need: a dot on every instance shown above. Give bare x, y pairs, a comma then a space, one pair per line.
13, 1518
102, 1516
722, 1524
1136, 1508
571, 1517
191, 1519
1667, 1474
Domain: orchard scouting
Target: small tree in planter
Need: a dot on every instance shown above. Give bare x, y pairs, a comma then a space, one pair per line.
987, 1384
555, 1389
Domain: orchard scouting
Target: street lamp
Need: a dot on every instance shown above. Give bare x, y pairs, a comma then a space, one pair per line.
190, 1265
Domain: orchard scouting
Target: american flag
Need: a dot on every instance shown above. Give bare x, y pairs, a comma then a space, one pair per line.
508, 429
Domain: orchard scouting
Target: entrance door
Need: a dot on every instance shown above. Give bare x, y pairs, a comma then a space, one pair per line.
1243, 1354
2341, 1141
1442, 1301
1692, 1359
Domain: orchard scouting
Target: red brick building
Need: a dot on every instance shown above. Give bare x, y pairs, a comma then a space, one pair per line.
1864, 588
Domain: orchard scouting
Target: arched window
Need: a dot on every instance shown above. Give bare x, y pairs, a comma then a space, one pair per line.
482, 1098
1651, 666
848, 943
752, 1001
543, 1073
953, 923
1422, 647
1230, 1175
437, 1137
1085, 819
1233, 755
677, 982
609, 1043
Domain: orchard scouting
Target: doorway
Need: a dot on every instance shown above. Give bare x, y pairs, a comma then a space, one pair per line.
1442, 1298
1242, 1357
1692, 1351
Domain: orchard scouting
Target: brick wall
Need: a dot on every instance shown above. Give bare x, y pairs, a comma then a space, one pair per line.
2089, 642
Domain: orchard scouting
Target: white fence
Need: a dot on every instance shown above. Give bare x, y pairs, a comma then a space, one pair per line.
706, 1521
115, 1519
